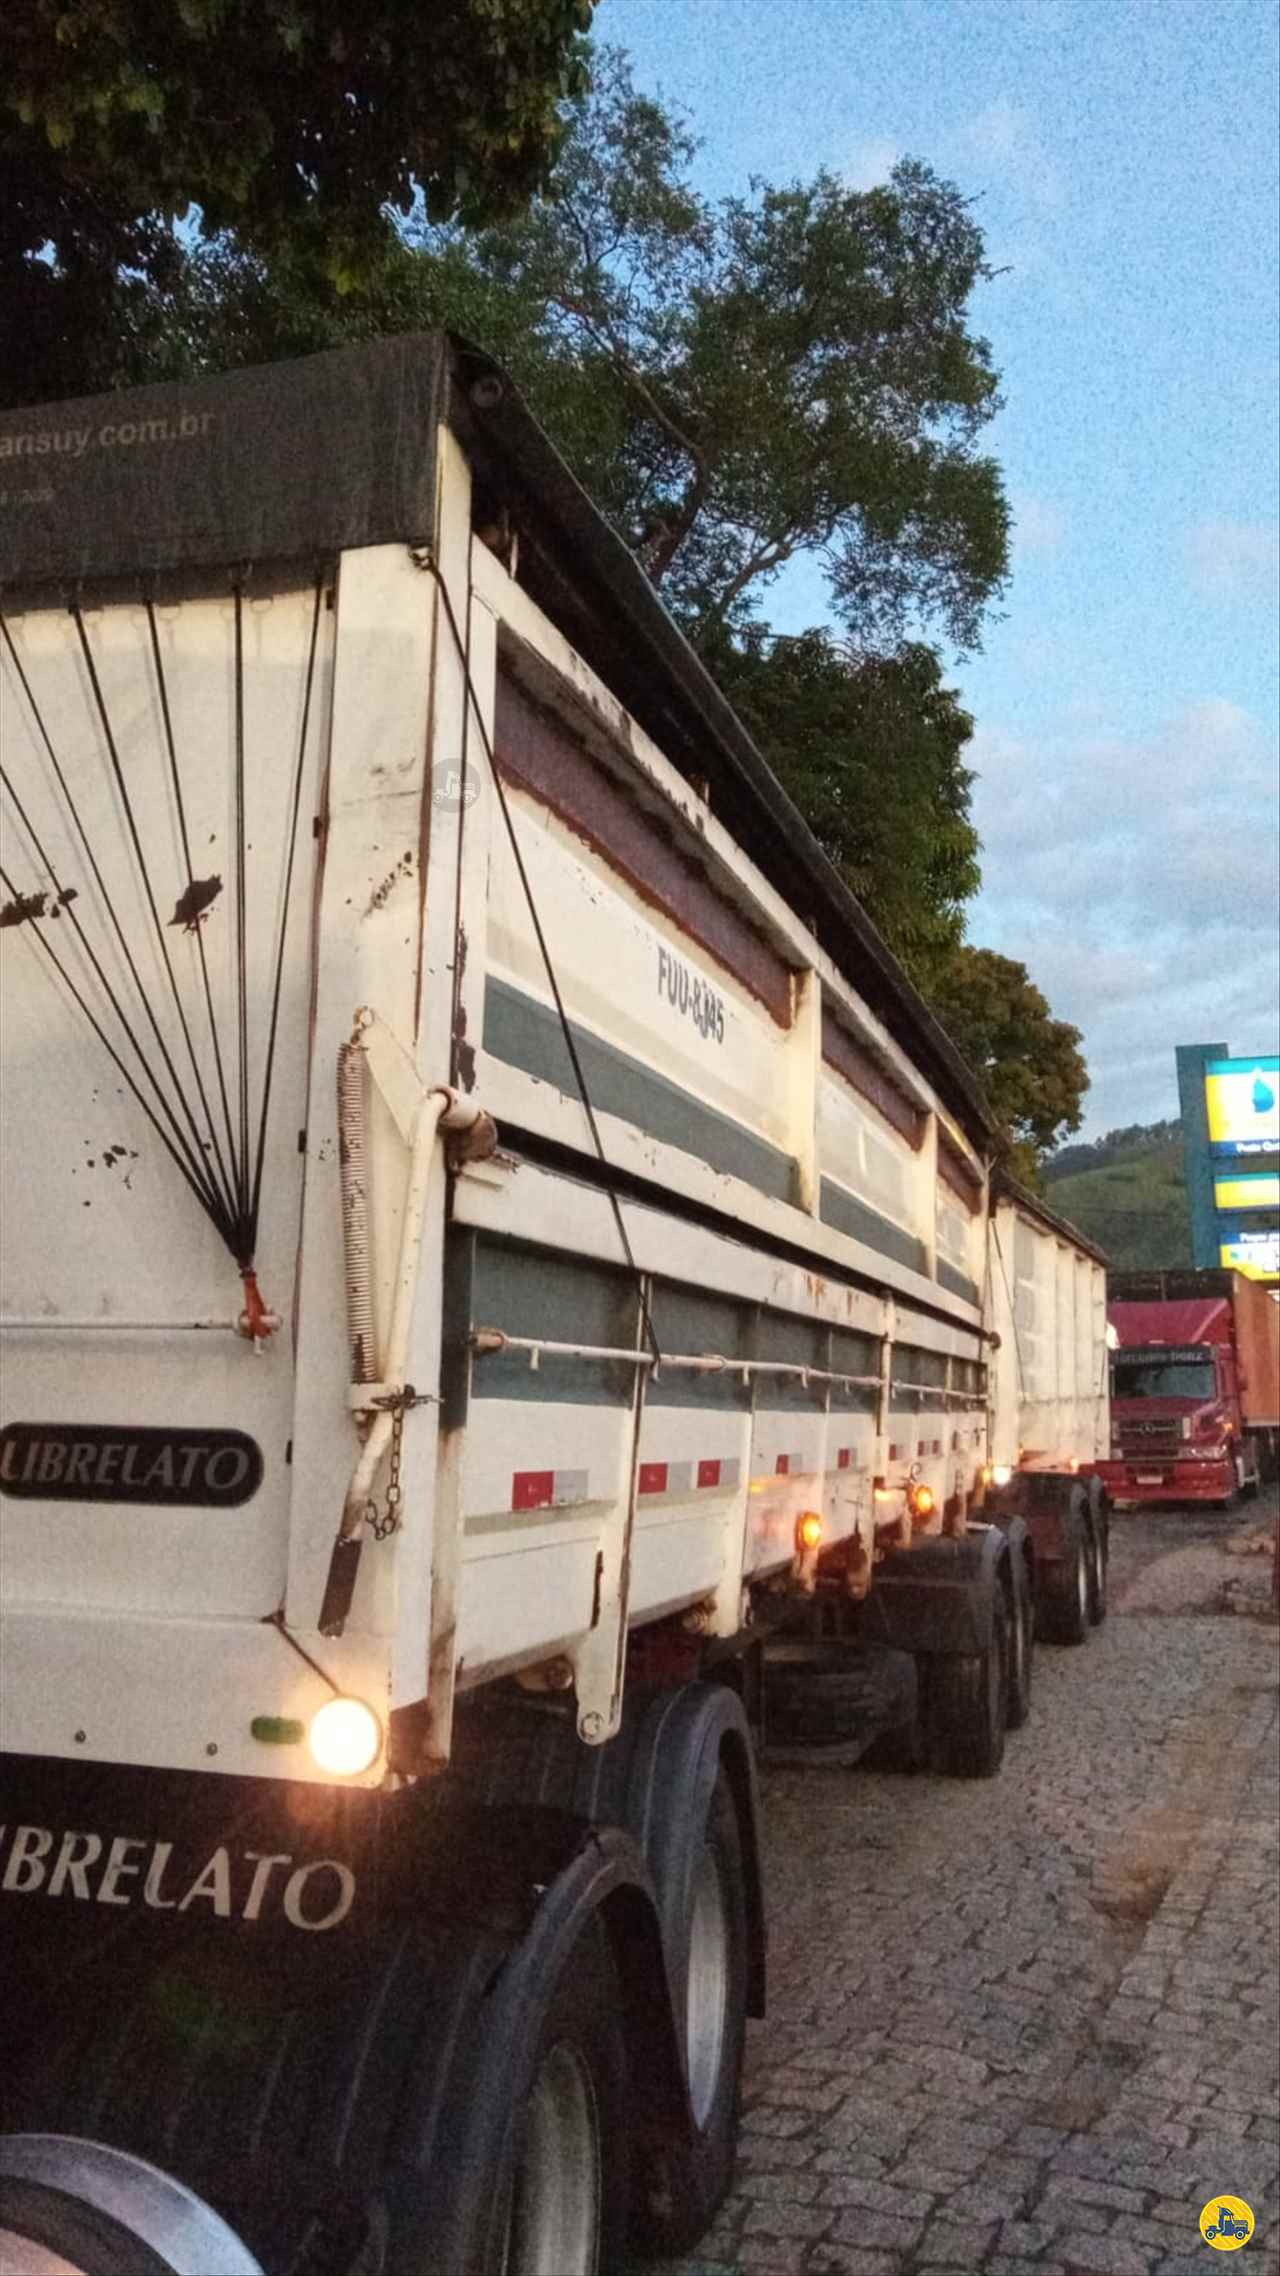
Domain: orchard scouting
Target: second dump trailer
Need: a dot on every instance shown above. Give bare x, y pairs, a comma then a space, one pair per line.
497, 1311
1050, 1432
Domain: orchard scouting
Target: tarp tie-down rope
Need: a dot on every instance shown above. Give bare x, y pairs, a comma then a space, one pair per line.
225, 1179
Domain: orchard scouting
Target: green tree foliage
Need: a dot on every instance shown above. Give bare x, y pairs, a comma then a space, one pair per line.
871, 749
1133, 1138
737, 385
286, 121
1128, 1192
787, 374
1027, 1061
790, 372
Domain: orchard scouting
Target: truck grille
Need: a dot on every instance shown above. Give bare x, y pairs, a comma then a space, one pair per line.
1150, 1437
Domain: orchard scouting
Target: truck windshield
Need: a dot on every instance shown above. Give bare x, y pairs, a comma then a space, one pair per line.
1163, 1379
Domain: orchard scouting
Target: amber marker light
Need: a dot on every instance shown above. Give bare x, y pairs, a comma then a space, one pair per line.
808, 1530
924, 1501
345, 1737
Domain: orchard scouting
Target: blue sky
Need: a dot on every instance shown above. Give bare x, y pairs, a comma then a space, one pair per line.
1125, 163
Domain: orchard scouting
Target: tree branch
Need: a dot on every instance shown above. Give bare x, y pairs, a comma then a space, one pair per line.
757, 565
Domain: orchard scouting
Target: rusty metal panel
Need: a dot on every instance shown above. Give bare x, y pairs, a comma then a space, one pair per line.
1257, 1318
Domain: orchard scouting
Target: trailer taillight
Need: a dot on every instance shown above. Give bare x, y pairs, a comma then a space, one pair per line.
808, 1530
345, 1737
923, 1500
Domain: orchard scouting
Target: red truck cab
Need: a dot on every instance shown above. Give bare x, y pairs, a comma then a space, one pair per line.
1181, 1427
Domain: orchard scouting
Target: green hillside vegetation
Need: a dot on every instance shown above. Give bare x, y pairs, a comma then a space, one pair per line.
1127, 1192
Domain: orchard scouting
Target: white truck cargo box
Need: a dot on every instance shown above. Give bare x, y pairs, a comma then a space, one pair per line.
501, 1310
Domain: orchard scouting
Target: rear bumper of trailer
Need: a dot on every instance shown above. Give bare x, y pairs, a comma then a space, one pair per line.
179, 1694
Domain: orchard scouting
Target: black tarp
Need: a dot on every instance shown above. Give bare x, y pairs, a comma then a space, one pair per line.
283, 462
297, 461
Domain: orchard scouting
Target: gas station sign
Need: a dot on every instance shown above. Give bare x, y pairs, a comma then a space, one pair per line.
1257, 1255
1242, 1097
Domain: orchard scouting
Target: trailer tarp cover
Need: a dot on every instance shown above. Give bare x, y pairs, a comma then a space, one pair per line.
281, 462
1190, 1320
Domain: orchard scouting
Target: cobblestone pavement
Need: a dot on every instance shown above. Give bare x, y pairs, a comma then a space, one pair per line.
1030, 2027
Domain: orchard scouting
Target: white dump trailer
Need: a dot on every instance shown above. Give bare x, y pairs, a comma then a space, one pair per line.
1050, 1412
497, 1322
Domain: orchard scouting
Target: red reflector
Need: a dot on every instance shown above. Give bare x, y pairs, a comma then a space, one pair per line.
782, 1466
533, 1489
653, 1478
842, 1458
709, 1473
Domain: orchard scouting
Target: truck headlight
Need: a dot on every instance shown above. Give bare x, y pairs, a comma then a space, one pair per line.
345, 1737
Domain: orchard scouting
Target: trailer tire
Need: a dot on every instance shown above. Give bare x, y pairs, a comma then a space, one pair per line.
105, 2212
967, 1697
700, 1883
1064, 1593
1022, 1631
826, 1692
558, 2197
80, 2235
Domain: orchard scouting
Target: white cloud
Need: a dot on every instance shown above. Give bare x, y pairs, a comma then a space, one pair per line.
872, 162
1235, 560
1138, 879
1004, 139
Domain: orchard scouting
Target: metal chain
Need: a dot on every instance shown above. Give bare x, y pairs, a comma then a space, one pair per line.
383, 1522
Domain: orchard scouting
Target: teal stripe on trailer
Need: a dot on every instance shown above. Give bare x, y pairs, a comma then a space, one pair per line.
842, 1209
958, 1283
528, 1035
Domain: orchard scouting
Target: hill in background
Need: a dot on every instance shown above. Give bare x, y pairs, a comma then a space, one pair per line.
1127, 1192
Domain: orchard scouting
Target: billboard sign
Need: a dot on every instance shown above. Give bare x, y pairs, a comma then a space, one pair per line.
1251, 1189
1242, 1098
1257, 1255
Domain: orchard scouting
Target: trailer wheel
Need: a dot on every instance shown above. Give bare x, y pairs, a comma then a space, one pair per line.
1022, 1625
75, 2207
556, 2202
701, 1891
1064, 1590
567, 2202
968, 1701
44, 2233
